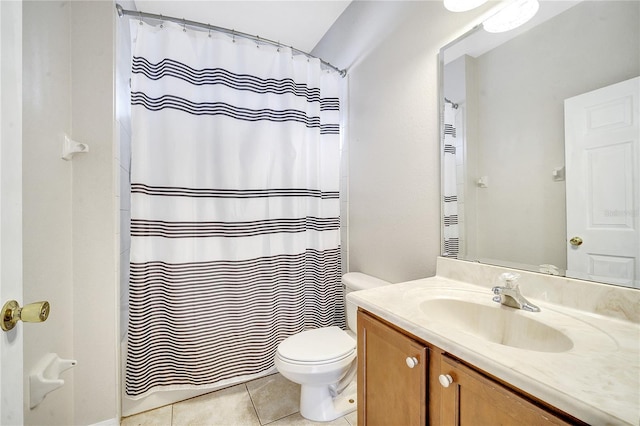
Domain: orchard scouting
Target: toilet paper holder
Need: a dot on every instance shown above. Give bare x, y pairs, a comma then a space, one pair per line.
45, 377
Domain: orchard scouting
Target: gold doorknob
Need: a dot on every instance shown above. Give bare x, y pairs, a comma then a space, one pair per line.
33, 312
575, 241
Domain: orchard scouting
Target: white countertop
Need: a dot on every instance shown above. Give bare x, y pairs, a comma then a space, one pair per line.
597, 380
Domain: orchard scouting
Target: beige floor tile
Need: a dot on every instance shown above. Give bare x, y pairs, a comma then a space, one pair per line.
158, 417
226, 407
297, 420
274, 397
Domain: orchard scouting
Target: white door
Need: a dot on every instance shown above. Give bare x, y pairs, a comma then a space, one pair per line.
602, 154
11, 206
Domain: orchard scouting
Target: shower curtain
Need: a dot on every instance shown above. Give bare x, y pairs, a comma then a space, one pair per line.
235, 240
450, 184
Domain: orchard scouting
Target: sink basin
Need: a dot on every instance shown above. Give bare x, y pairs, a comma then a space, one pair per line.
496, 323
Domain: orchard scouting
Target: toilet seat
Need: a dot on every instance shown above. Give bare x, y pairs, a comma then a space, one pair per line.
350, 354
317, 346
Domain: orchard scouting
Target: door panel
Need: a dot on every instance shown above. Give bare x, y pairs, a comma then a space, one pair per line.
389, 391
11, 376
602, 150
473, 399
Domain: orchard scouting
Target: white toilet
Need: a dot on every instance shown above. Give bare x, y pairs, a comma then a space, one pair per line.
323, 361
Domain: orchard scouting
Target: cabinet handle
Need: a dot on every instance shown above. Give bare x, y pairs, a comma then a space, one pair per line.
445, 380
411, 361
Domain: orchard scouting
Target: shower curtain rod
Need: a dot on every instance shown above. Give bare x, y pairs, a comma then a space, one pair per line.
185, 22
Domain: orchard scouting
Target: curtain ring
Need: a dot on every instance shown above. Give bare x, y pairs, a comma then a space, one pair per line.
258, 42
278, 50
140, 17
233, 35
161, 21
209, 25
184, 26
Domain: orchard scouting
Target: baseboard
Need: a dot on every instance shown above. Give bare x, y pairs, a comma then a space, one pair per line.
109, 422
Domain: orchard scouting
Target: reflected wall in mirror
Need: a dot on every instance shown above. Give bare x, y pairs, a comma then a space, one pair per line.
508, 156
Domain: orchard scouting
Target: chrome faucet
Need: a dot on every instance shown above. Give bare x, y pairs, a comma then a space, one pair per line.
509, 294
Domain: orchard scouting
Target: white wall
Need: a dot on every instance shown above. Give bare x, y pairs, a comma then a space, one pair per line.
394, 153
71, 212
95, 213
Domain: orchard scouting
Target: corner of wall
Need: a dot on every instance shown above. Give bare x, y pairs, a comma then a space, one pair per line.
94, 209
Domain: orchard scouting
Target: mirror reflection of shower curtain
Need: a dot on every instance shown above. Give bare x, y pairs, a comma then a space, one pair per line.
235, 228
451, 231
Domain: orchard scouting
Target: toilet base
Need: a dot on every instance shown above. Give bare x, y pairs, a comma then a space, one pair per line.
317, 404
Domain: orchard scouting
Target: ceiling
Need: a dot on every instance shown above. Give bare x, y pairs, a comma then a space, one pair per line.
300, 23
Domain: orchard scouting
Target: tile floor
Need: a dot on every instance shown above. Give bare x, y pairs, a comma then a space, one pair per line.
271, 400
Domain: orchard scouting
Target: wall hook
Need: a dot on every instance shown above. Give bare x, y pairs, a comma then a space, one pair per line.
483, 182
558, 174
71, 148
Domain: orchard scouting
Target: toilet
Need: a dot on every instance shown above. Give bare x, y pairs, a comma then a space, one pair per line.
323, 361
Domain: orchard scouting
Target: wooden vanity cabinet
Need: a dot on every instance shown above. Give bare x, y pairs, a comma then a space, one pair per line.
392, 375
474, 399
392, 392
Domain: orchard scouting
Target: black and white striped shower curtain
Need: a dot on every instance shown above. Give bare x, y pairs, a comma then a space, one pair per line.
235, 228
450, 185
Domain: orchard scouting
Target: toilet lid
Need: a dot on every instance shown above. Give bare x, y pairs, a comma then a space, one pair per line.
317, 345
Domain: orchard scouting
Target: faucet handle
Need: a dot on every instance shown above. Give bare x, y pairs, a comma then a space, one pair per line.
510, 279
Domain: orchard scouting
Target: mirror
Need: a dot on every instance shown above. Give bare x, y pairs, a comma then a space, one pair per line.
508, 164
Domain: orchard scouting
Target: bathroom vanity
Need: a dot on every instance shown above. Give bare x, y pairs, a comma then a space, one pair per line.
423, 384
439, 351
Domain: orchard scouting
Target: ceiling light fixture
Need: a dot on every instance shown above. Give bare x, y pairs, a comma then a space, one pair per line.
516, 13
462, 5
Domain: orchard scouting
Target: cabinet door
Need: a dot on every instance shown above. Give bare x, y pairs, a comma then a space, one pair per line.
473, 399
391, 390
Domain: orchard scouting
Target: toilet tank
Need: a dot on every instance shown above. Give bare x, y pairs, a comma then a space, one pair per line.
354, 281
